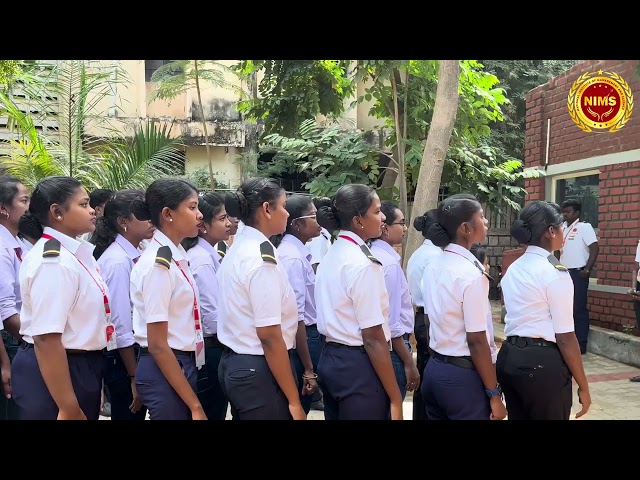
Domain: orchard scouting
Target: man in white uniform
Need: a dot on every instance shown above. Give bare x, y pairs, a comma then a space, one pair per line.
578, 253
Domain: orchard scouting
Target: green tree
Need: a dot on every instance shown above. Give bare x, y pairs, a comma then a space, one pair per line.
71, 93
292, 91
9, 69
179, 76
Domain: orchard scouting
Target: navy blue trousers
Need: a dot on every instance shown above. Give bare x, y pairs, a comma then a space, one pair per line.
252, 389
351, 388
315, 342
8, 408
580, 310
451, 392
210, 393
32, 395
118, 383
157, 393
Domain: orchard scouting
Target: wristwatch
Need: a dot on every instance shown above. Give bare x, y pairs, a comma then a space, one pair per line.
492, 393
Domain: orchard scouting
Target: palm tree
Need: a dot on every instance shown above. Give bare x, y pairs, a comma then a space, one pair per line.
50, 116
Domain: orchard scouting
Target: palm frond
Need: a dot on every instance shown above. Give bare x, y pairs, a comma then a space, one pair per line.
150, 154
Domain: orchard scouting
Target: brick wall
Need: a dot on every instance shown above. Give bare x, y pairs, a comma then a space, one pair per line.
619, 204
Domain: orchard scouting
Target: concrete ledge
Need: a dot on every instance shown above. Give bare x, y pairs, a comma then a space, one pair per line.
617, 346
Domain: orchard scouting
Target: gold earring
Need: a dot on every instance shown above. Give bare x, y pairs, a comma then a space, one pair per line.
171, 219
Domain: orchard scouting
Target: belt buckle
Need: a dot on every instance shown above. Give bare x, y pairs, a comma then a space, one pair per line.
521, 342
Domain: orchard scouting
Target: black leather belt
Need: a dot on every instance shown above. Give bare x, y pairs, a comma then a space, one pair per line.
70, 351
145, 351
522, 342
464, 362
212, 342
420, 310
346, 347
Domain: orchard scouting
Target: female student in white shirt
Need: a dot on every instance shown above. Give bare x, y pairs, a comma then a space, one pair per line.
57, 373
204, 262
541, 353
355, 370
117, 238
460, 378
14, 202
296, 257
166, 307
258, 318
401, 321
415, 270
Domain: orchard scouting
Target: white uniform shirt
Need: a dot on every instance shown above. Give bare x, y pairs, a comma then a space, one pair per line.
576, 240
296, 259
538, 297
60, 295
401, 319
319, 246
10, 260
415, 269
350, 293
115, 265
161, 294
456, 297
637, 260
204, 262
253, 293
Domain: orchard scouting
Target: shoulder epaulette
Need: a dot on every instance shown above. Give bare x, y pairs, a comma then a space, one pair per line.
221, 248
51, 248
164, 256
369, 255
268, 255
556, 263
483, 271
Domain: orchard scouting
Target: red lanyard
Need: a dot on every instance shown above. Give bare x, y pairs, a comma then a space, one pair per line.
569, 231
348, 238
105, 299
196, 311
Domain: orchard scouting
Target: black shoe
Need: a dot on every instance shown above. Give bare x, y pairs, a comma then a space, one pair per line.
635, 379
319, 406
583, 350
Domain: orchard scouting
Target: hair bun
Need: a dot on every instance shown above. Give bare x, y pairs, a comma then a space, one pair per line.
419, 223
439, 235
327, 218
140, 209
521, 231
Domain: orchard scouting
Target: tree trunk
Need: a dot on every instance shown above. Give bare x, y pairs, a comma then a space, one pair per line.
204, 126
250, 155
436, 147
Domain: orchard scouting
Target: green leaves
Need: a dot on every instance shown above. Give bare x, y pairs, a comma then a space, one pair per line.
331, 157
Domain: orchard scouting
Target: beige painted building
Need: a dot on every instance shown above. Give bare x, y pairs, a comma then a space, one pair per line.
129, 102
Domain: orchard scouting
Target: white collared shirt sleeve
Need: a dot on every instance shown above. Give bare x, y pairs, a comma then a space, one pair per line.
265, 293
207, 282
7, 287
365, 290
638, 253
560, 298
588, 234
157, 288
117, 277
50, 310
298, 280
392, 285
475, 305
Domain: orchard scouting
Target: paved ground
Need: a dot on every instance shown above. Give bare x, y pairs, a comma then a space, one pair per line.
613, 396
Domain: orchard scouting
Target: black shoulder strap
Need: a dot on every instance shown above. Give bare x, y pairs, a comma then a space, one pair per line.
266, 250
556, 263
484, 272
51, 248
164, 256
369, 255
221, 248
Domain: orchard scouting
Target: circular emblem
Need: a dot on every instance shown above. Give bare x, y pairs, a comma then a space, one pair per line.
600, 101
